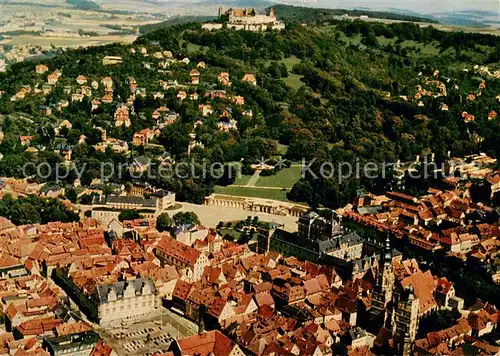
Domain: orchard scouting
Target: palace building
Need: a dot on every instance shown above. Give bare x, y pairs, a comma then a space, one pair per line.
257, 205
246, 19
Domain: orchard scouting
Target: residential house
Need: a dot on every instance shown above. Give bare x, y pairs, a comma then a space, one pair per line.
223, 78
212, 94
65, 151
25, 140
95, 104
133, 85
195, 76
118, 146
45, 110
206, 109
41, 69
77, 97
226, 126
140, 164
249, 78
189, 261
122, 116
238, 100
46, 89
107, 82
142, 137
52, 79
181, 95
82, 343
206, 344
81, 79
107, 99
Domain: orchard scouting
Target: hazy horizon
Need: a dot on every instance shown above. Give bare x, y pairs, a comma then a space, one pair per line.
422, 6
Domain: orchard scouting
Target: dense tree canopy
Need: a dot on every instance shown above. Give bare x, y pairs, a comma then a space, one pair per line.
35, 210
354, 99
186, 218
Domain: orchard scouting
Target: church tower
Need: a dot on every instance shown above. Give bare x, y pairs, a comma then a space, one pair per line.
383, 291
406, 319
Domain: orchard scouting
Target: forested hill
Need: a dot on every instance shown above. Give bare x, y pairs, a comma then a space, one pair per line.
338, 92
313, 15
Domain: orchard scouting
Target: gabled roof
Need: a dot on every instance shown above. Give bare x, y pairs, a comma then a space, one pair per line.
209, 343
120, 287
179, 251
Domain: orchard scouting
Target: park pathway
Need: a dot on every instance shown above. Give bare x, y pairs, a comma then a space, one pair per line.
255, 178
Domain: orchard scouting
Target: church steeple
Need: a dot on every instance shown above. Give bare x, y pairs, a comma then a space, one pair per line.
383, 291
388, 250
386, 273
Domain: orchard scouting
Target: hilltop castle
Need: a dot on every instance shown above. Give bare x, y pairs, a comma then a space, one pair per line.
246, 19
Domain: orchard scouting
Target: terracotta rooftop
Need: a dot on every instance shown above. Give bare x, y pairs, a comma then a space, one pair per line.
206, 344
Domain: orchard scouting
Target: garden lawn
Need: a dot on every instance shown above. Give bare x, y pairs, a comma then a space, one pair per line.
274, 194
285, 178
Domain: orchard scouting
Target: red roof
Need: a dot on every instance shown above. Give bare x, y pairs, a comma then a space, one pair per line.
179, 251
102, 349
182, 289
38, 326
209, 343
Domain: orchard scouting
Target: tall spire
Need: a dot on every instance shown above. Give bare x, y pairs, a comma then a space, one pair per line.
387, 250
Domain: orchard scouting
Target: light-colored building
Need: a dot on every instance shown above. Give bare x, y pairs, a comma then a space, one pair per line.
247, 19
111, 60
256, 205
125, 301
122, 116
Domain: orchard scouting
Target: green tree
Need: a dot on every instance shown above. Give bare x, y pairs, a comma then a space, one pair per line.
71, 194
163, 222
129, 215
187, 217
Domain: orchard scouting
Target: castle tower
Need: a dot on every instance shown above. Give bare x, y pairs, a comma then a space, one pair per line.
271, 13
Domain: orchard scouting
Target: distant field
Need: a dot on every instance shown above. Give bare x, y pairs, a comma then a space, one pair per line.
274, 194
70, 42
285, 178
57, 19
